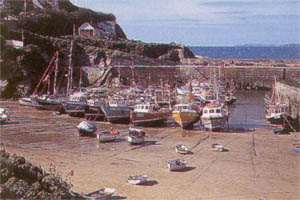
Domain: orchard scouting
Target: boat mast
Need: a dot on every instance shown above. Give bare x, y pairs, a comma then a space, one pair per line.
55, 75
70, 71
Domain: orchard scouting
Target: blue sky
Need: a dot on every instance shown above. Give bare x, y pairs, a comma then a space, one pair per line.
205, 22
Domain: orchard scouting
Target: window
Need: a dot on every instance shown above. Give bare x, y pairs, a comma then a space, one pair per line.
211, 111
218, 111
205, 111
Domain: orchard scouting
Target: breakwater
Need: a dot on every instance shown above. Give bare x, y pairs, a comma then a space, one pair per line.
241, 77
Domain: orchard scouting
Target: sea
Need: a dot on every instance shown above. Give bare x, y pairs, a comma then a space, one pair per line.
248, 52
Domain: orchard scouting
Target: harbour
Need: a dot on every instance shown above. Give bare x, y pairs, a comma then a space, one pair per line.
137, 100
259, 164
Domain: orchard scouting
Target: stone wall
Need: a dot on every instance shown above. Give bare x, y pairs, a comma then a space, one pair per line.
172, 74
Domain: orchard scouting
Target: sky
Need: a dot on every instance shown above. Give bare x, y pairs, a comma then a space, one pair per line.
205, 22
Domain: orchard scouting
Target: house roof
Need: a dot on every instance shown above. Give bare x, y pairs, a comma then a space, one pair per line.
88, 26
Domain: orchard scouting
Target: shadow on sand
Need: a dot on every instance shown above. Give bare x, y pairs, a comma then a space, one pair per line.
117, 197
186, 169
150, 183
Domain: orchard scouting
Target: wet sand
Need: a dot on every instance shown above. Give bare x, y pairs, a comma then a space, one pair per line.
259, 164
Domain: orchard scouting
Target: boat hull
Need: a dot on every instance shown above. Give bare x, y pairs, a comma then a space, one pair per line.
25, 102
116, 114
94, 113
150, 119
137, 180
174, 166
74, 108
101, 194
83, 132
106, 137
214, 123
278, 119
48, 105
181, 149
135, 139
185, 119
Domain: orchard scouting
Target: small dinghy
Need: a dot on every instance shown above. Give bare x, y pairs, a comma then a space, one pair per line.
179, 148
219, 147
281, 130
136, 136
138, 179
107, 136
4, 116
86, 129
25, 101
177, 165
297, 148
101, 194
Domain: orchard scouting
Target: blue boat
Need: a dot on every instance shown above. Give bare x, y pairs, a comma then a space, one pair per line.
297, 149
117, 111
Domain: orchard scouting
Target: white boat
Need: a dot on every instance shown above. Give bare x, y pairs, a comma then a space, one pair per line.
4, 115
138, 179
277, 113
107, 136
215, 116
25, 101
136, 136
219, 147
177, 165
179, 148
100, 194
86, 129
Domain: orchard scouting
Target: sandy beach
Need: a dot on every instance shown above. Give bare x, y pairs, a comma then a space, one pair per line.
258, 165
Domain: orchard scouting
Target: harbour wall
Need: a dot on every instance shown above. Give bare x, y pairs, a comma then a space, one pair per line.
242, 77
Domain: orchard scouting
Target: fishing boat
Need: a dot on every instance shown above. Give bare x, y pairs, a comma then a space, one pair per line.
48, 102
93, 110
149, 114
186, 114
117, 110
136, 136
138, 179
277, 113
86, 129
76, 105
179, 148
107, 136
51, 100
177, 165
4, 115
100, 194
214, 116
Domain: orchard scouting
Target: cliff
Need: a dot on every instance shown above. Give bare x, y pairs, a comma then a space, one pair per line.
48, 26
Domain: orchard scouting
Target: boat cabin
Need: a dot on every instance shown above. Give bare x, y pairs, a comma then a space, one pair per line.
185, 107
214, 110
118, 103
277, 109
79, 97
146, 108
